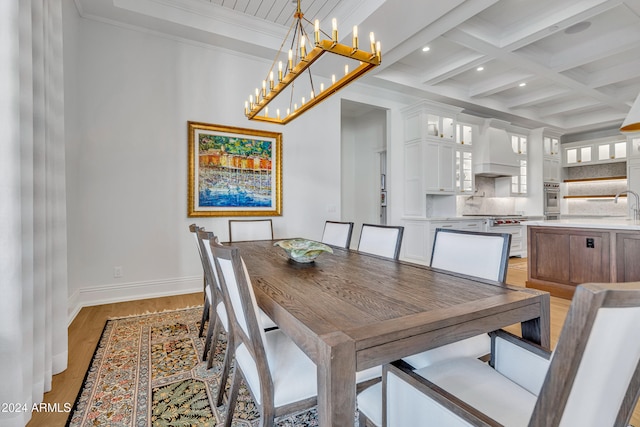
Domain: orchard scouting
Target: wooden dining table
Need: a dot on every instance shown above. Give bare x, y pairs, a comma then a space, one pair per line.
349, 311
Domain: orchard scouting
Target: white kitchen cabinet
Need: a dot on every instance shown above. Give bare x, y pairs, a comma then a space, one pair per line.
518, 238
441, 126
430, 131
519, 144
438, 163
551, 169
551, 159
616, 150
605, 150
419, 234
633, 180
464, 171
633, 145
577, 155
464, 134
551, 146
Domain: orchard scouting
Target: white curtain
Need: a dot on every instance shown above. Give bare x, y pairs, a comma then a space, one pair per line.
33, 244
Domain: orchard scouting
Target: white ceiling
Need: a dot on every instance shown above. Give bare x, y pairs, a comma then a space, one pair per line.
580, 59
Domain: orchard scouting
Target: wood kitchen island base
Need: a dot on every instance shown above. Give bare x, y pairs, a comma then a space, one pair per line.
566, 253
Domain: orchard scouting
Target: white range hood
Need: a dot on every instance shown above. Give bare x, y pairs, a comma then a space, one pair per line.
493, 155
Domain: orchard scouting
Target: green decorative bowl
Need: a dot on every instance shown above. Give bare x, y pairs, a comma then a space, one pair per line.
303, 250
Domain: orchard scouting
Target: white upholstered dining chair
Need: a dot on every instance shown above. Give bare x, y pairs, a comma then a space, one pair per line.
337, 233
279, 376
218, 317
242, 230
592, 379
477, 254
382, 240
193, 228
482, 255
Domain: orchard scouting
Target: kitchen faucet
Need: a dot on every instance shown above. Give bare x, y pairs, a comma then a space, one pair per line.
635, 208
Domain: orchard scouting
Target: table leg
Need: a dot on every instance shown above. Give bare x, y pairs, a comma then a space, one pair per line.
337, 381
539, 330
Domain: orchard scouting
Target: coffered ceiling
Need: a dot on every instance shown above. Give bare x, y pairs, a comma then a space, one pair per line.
571, 65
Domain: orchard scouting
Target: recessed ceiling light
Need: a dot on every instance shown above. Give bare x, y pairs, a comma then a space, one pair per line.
578, 28
523, 84
426, 49
480, 68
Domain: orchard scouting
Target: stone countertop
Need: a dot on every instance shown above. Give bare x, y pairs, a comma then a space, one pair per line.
446, 218
612, 223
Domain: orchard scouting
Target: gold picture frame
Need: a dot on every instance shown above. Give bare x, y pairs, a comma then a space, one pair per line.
233, 171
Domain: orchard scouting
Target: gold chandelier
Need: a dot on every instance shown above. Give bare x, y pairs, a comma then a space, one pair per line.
256, 107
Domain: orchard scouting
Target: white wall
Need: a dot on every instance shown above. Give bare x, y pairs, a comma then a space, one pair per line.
129, 96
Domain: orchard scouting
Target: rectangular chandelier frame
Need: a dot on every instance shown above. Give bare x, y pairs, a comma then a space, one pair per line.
367, 60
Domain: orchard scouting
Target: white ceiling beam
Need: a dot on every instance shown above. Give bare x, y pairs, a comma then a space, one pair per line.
573, 105
537, 97
618, 73
592, 50
457, 65
499, 83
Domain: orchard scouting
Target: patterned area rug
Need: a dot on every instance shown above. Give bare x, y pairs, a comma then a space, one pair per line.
146, 371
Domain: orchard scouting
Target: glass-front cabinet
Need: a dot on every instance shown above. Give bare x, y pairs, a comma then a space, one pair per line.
634, 145
606, 150
519, 144
464, 171
551, 146
577, 155
441, 127
611, 150
464, 134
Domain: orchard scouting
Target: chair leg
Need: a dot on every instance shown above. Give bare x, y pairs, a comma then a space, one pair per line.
213, 323
226, 368
233, 397
205, 316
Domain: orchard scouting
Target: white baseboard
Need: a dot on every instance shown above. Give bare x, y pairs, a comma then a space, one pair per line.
107, 294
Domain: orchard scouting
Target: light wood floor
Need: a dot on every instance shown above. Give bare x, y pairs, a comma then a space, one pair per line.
86, 329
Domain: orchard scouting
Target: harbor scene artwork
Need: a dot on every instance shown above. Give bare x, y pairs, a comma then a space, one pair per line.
234, 171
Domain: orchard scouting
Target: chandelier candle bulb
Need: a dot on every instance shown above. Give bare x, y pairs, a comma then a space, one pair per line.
246, 107
316, 31
290, 60
333, 79
303, 100
355, 37
334, 33
321, 87
271, 84
378, 52
312, 95
303, 48
372, 39
278, 113
346, 69
266, 111
264, 88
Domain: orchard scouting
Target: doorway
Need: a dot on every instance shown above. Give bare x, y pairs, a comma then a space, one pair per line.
364, 180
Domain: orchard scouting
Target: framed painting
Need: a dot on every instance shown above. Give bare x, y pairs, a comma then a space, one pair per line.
234, 171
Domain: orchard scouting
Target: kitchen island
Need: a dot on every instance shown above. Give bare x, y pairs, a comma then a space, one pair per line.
565, 253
